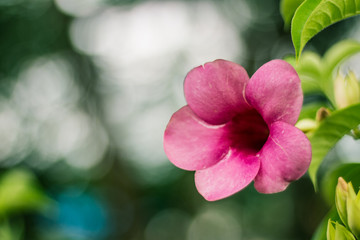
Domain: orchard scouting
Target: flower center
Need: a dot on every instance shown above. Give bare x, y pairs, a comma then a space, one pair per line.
248, 131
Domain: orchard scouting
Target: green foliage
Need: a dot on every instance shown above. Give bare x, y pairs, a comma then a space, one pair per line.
312, 16
19, 191
336, 231
331, 130
332, 58
350, 172
309, 110
338, 53
316, 73
343, 222
309, 69
11, 231
287, 10
348, 208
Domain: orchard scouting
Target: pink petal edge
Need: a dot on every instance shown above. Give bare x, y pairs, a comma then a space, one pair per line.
284, 158
215, 91
191, 143
275, 92
230, 175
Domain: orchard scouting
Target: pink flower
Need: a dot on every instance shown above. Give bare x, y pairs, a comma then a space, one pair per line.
235, 130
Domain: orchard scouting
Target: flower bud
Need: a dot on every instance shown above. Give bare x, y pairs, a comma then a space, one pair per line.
348, 206
322, 113
341, 195
353, 215
307, 125
338, 232
355, 133
346, 90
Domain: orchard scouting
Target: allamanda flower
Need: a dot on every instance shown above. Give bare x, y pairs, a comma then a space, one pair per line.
235, 130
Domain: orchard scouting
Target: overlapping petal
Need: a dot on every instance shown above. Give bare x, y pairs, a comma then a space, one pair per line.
227, 177
191, 143
215, 91
285, 157
275, 92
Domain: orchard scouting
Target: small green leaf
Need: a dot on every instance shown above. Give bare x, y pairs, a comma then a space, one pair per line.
330, 233
287, 10
331, 130
312, 16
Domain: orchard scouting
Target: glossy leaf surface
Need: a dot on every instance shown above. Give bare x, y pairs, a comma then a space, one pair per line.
312, 16
331, 130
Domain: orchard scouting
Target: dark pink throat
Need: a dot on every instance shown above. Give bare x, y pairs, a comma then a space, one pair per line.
248, 131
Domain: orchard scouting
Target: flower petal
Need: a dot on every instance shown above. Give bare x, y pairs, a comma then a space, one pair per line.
192, 144
215, 91
284, 158
275, 92
229, 176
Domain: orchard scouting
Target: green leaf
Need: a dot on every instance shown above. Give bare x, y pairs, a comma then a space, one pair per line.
287, 10
312, 16
339, 52
330, 233
331, 130
309, 69
310, 72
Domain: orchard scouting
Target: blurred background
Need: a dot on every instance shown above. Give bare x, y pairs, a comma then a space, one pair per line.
86, 90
